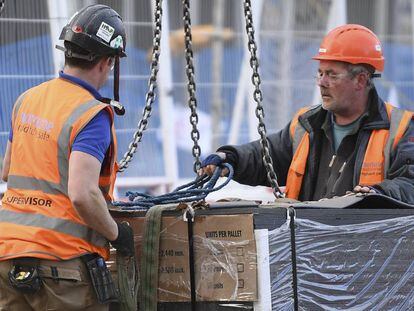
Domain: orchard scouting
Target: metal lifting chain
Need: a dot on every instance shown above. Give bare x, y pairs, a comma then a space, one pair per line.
191, 87
258, 97
152, 85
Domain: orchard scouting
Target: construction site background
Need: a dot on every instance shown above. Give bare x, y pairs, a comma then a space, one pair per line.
288, 34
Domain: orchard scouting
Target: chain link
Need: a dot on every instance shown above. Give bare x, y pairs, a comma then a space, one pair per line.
191, 87
152, 85
258, 97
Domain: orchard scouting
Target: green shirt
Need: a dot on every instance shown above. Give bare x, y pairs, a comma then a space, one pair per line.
340, 131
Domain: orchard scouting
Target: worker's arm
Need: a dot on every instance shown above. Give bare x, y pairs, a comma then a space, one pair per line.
85, 195
399, 183
6, 162
248, 164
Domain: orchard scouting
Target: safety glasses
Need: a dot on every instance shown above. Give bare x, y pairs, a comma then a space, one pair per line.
330, 76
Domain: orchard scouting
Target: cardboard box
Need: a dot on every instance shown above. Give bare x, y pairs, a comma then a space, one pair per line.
225, 258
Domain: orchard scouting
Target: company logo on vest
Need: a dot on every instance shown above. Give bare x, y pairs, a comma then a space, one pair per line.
35, 126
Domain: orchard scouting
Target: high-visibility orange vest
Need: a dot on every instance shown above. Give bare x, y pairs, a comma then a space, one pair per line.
37, 218
377, 155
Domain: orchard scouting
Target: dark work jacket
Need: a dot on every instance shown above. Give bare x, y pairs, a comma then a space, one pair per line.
320, 180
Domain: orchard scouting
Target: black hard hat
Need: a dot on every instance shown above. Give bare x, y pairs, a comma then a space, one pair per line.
97, 29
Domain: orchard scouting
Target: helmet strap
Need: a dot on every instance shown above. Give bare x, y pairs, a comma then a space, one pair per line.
116, 79
119, 109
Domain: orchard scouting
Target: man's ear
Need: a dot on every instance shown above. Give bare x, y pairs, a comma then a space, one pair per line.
104, 63
362, 80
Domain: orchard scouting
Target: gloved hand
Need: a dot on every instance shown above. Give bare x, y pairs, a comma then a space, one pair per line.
208, 165
124, 243
213, 159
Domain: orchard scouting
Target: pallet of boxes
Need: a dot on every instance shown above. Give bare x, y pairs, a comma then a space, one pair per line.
224, 257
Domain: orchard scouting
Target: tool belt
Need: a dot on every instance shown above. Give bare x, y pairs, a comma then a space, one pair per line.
25, 278
101, 278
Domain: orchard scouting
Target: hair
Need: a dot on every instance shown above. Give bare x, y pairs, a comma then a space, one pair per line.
355, 70
79, 62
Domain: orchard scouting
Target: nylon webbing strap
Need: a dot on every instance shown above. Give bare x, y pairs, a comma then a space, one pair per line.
150, 257
128, 282
291, 215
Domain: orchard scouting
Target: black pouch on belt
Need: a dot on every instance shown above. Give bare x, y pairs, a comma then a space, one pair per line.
25, 279
101, 279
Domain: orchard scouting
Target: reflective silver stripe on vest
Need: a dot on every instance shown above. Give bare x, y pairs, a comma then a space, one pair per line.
29, 183
21, 182
396, 116
297, 137
64, 139
55, 224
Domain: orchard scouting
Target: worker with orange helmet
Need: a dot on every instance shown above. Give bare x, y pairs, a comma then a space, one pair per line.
353, 141
60, 168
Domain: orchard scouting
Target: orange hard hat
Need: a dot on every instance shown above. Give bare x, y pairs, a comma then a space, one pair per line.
353, 44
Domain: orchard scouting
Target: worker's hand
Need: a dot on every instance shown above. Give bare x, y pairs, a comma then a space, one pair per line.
124, 243
210, 163
364, 189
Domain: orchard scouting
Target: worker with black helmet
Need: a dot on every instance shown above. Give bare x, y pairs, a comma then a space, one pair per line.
60, 167
352, 142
